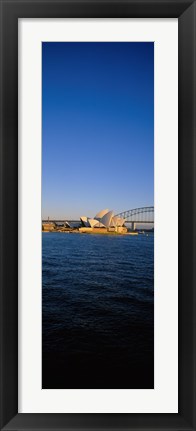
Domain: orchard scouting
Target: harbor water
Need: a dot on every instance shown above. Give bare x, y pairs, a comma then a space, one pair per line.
97, 311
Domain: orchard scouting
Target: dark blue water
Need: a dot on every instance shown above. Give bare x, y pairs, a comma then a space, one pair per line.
98, 311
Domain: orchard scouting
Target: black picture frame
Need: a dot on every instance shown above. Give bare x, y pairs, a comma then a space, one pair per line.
11, 11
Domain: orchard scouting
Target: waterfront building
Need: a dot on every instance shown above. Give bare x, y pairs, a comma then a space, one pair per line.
48, 226
104, 220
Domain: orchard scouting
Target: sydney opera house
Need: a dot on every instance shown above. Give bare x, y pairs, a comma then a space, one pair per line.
104, 220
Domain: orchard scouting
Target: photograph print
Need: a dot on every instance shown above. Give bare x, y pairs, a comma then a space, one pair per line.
97, 215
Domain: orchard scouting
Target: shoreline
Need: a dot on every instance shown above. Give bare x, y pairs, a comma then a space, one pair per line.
99, 233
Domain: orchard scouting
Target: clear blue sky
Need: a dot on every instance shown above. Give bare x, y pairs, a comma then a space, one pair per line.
97, 127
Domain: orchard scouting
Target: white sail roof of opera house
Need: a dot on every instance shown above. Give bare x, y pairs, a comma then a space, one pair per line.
103, 218
100, 214
93, 222
118, 221
84, 220
106, 219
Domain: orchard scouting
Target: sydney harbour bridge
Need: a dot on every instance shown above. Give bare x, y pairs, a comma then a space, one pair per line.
136, 216
140, 216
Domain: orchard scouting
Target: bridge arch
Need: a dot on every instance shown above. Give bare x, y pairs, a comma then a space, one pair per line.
138, 215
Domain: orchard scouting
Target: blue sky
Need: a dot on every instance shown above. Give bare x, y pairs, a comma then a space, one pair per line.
97, 127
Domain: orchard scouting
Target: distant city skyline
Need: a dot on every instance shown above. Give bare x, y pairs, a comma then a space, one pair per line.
97, 127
